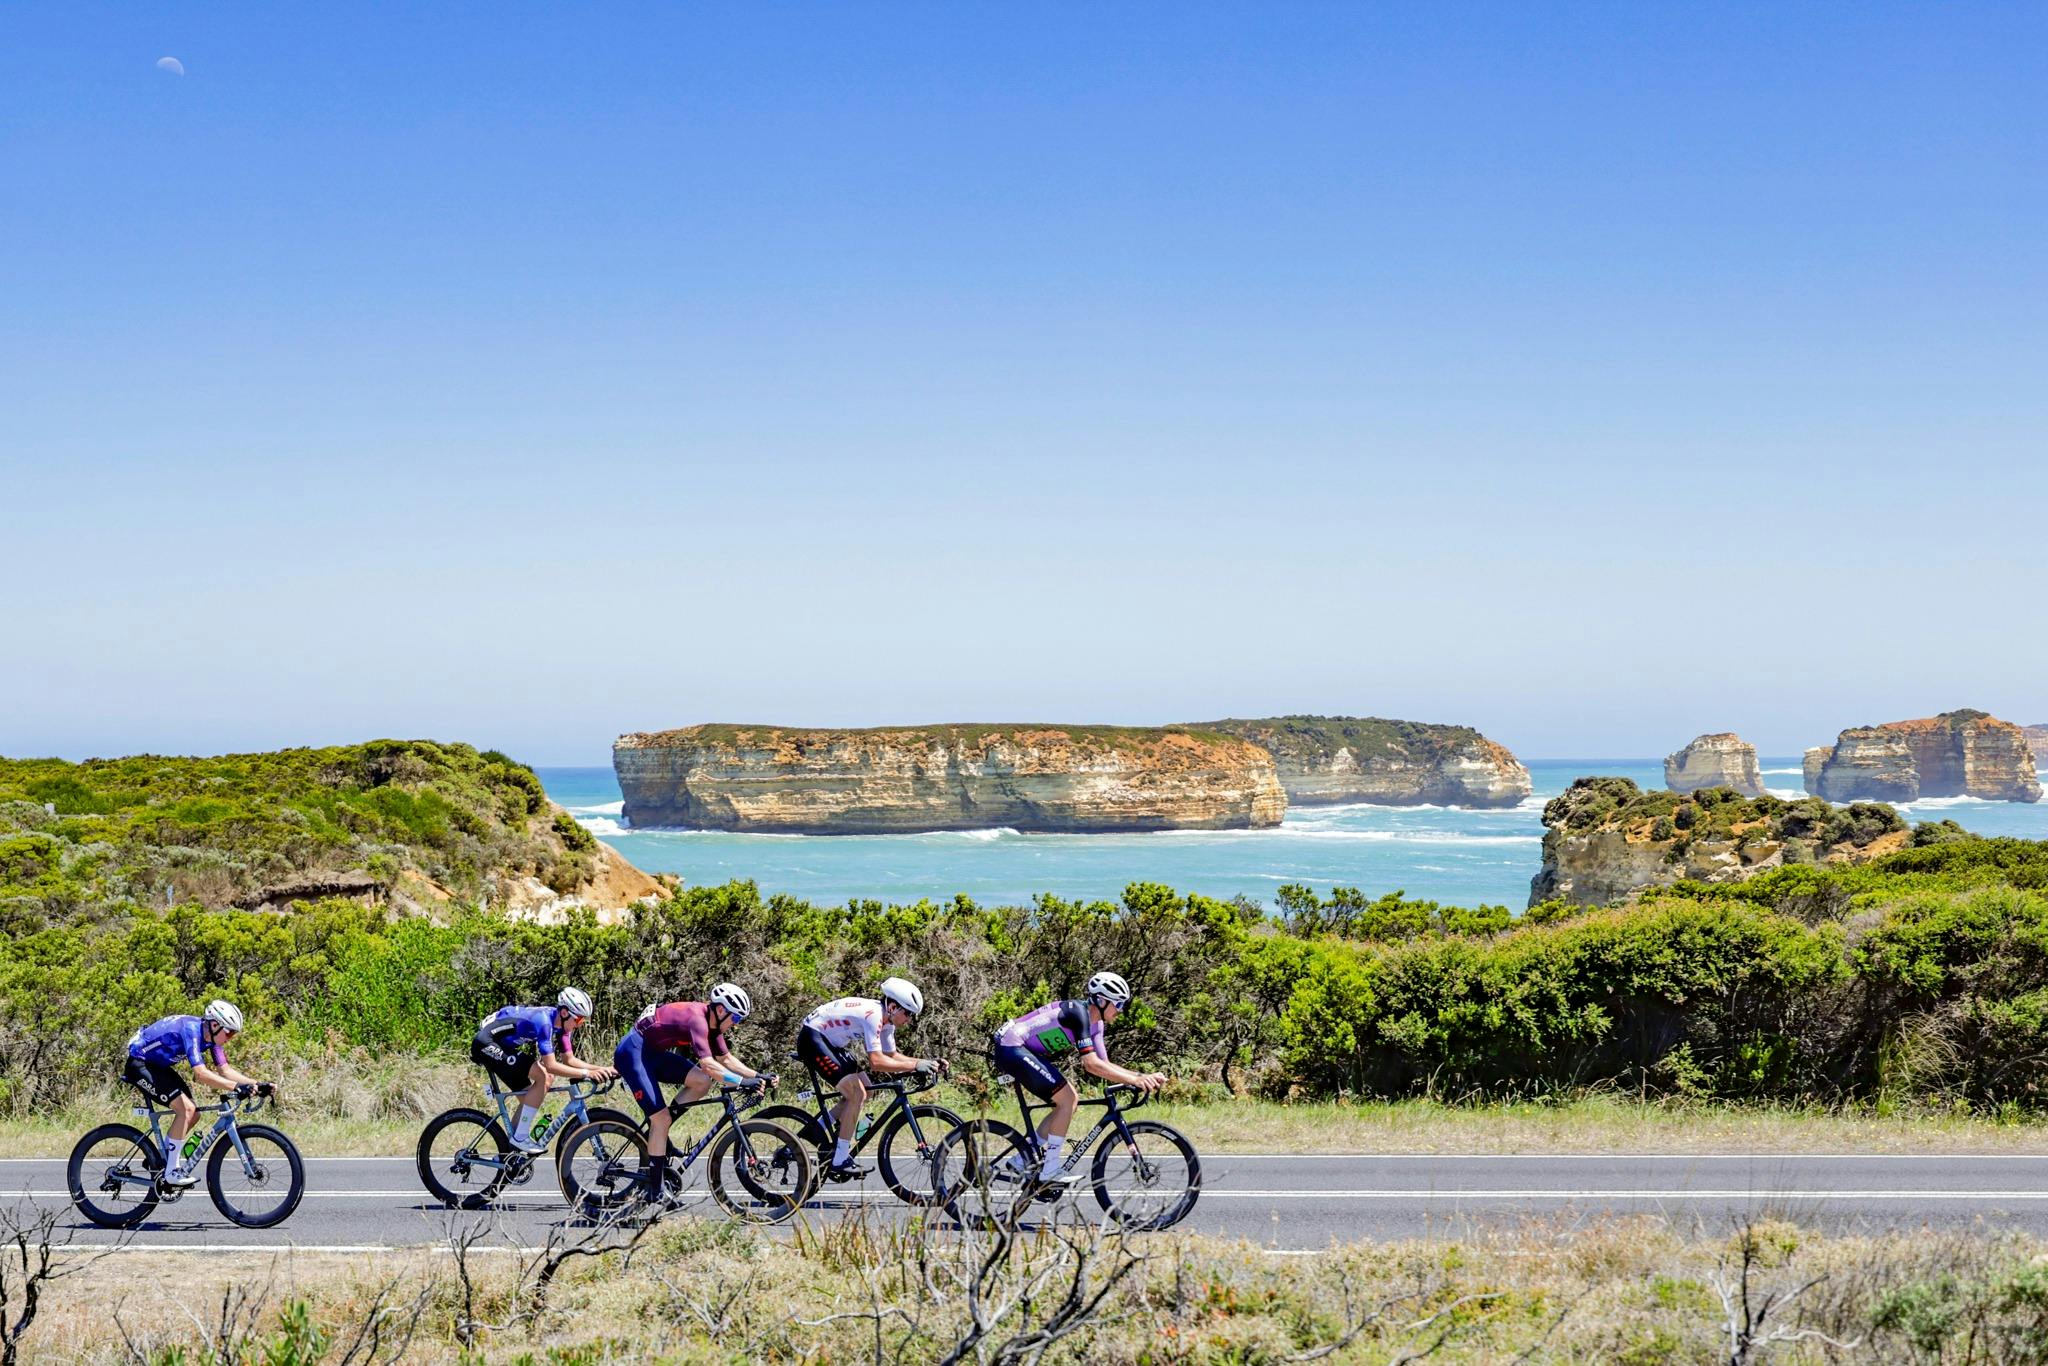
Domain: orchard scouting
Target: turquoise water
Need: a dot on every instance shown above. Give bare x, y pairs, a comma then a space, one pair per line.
1454, 856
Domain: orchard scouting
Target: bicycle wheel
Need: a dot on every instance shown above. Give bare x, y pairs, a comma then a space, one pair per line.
805, 1126
982, 1172
1149, 1183
262, 1189
759, 1172
463, 1158
904, 1159
113, 1172
604, 1166
568, 1131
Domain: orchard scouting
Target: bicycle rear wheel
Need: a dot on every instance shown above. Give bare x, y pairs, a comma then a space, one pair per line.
261, 1190
604, 1166
905, 1161
464, 1158
113, 1172
1149, 1183
589, 1117
983, 1172
759, 1172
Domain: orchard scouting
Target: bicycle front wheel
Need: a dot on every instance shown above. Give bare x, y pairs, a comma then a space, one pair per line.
759, 1172
604, 1166
113, 1172
1150, 1182
261, 1189
591, 1116
907, 1145
464, 1158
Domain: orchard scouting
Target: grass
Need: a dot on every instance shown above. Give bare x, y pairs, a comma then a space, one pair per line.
1635, 1291
332, 1109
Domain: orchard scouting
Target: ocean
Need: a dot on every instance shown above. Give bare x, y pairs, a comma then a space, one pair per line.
1458, 857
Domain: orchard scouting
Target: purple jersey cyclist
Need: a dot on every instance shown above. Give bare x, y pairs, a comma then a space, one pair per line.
523, 1046
1032, 1047
683, 1044
200, 1042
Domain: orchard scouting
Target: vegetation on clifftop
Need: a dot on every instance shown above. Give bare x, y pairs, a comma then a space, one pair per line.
1316, 739
1716, 813
967, 735
219, 831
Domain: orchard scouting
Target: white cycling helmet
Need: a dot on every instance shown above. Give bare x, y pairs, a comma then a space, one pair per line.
1109, 989
737, 1003
225, 1015
575, 1002
904, 994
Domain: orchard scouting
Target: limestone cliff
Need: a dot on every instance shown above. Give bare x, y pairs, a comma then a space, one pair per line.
1325, 760
1956, 754
1605, 840
1076, 779
1719, 760
2037, 741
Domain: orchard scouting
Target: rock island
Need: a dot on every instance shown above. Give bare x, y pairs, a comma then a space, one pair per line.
904, 780
1327, 760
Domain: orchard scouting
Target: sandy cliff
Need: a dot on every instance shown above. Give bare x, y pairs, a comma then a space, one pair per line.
1719, 760
1082, 779
1956, 754
1324, 760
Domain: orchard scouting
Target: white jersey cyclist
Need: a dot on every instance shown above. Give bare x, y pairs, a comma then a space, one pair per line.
849, 1018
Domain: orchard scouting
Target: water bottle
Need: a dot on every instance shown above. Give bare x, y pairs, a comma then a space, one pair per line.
191, 1148
540, 1126
860, 1128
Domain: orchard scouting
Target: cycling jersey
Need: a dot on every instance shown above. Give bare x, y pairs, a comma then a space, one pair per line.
683, 1025
853, 1017
517, 1027
1054, 1030
174, 1039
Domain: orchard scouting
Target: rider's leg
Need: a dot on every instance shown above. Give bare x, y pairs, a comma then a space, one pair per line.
1052, 1130
853, 1096
530, 1101
183, 1113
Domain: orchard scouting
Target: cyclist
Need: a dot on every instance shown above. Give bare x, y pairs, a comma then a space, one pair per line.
822, 1041
522, 1046
681, 1042
153, 1054
1029, 1048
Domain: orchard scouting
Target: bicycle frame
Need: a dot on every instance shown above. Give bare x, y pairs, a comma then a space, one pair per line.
576, 1108
901, 1090
731, 1116
227, 1110
1114, 1110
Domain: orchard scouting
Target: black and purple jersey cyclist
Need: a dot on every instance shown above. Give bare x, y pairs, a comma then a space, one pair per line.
1031, 1049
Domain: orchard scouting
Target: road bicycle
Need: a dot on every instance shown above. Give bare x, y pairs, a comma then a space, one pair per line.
1145, 1175
255, 1178
466, 1157
906, 1135
757, 1170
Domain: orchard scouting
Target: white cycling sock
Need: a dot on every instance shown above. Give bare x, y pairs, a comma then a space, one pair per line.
1052, 1155
525, 1125
842, 1152
170, 1154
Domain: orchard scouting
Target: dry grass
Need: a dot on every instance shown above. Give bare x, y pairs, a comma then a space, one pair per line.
335, 1107
1632, 1291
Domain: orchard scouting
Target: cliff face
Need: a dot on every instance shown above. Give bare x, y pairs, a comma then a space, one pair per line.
1079, 779
2037, 741
1324, 760
1956, 754
1720, 760
1605, 840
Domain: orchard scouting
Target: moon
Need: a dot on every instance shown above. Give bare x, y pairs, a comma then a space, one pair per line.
171, 65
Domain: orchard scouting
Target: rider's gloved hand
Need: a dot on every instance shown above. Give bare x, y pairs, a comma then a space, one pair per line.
264, 1088
243, 1091
928, 1067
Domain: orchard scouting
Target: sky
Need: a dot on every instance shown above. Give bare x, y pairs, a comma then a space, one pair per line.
1597, 375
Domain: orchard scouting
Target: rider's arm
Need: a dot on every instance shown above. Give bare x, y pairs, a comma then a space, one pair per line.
730, 1064
891, 1062
223, 1077
1096, 1065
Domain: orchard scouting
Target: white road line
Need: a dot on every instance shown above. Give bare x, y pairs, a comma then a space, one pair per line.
1214, 1193
335, 1248
1227, 1156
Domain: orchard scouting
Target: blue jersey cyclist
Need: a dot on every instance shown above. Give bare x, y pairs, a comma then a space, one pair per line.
200, 1042
1032, 1047
523, 1046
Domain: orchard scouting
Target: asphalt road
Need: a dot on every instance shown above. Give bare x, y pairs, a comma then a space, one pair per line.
1282, 1202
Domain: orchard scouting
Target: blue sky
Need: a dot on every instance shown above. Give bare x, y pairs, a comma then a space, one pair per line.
1597, 375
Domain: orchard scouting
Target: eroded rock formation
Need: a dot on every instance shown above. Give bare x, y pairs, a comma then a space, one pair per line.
1719, 760
1605, 839
1080, 779
1325, 760
1956, 754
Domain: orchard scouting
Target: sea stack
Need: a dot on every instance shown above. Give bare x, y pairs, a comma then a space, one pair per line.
1956, 754
905, 780
1327, 760
1719, 760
